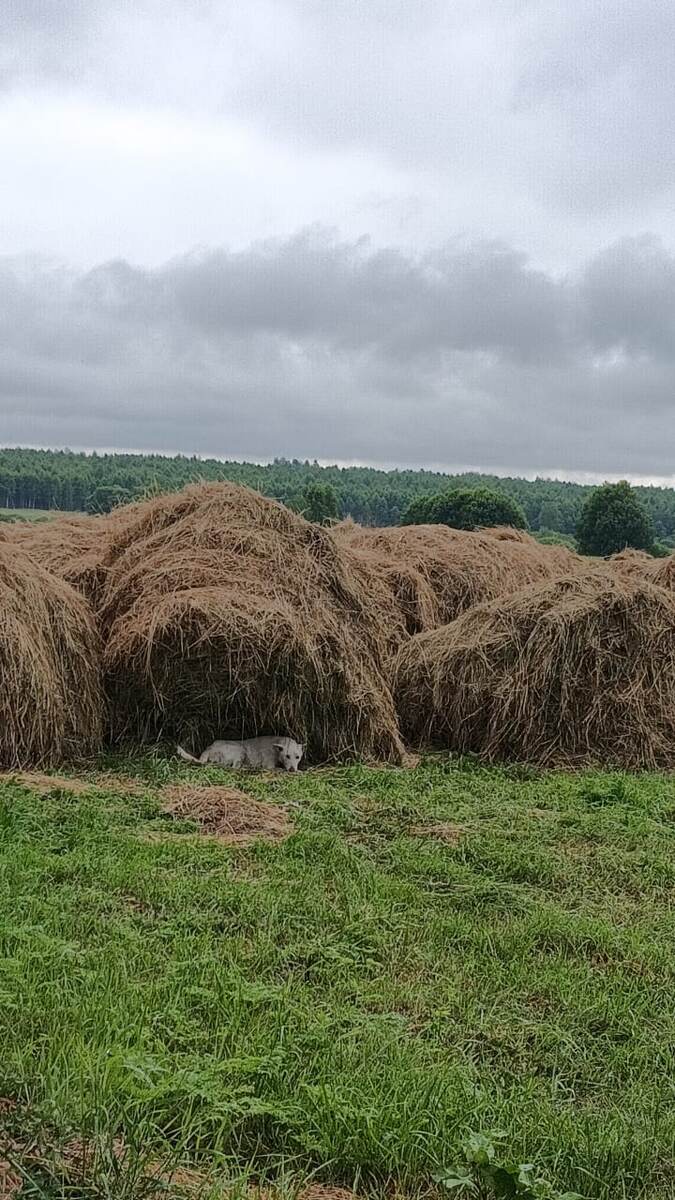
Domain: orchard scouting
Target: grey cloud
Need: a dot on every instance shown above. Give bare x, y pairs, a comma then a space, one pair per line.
629, 291
572, 103
351, 296
41, 38
546, 124
317, 347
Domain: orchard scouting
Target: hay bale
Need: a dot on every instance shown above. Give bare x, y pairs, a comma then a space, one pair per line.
50, 696
451, 570
401, 592
228, 615
577, 670
74, 548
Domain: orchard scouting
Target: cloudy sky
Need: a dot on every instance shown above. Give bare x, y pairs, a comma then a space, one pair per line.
415, 232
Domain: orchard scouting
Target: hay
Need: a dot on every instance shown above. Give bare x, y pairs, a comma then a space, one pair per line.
227, 615
11, 1183
507, 533
50, 697
74, 548
578, 670
435, 573
398, 590
37, 781
442, 831
228, 814
633, 562
663, 572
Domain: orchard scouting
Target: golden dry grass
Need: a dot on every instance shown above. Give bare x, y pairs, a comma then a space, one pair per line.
663, 572
73, 548
225, 614
51, 704
227, 814
577, 670
436, 573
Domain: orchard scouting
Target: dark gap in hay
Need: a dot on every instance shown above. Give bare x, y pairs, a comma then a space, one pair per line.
575, 671
228, 814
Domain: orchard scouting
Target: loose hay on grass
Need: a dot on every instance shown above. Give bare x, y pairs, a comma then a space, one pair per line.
38, 782
580, 670
227, 615
442, 831
228, 814
51, 706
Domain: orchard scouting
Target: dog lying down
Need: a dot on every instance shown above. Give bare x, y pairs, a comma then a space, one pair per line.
265, 753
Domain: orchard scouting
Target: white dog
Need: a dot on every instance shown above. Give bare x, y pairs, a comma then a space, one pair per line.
262, 752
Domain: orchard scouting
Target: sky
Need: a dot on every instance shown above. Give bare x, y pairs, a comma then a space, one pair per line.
423, 234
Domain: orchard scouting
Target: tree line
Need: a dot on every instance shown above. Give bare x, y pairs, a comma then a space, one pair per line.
78, 482
613, 517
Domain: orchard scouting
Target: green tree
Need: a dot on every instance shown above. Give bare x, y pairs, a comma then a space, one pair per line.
319, 503
550, 516
104, 498
612, 518
418, 512
466, 508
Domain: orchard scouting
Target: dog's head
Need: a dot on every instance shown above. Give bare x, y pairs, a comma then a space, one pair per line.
289, 754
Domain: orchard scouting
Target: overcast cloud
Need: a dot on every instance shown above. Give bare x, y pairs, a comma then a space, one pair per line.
432, 233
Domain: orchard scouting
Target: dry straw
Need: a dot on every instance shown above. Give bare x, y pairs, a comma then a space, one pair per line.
507, 533
74, 548
663, 572
228, 615
51, 705
435, 573
634, 562
578, 670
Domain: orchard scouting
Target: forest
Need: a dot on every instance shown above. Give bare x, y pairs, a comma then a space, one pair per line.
79, 482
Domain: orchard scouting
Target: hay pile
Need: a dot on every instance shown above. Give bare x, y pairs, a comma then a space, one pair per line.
507, 533
578, 670
633, 562
228, 814
406, 594
663, 572
51, 706
436, 573
74, 548
228, 615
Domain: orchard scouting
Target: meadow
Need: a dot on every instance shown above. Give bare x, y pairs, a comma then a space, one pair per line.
27, 514
432, 953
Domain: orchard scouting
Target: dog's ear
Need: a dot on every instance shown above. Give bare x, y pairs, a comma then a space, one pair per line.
277, 745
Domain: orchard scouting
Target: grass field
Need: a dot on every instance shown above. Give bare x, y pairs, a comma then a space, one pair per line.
31, 514
432, 952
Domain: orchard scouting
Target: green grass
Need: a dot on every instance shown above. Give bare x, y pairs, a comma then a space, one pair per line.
32, 514
350, 1003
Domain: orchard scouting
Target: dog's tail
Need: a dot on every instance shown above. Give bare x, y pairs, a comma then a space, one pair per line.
185, 756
